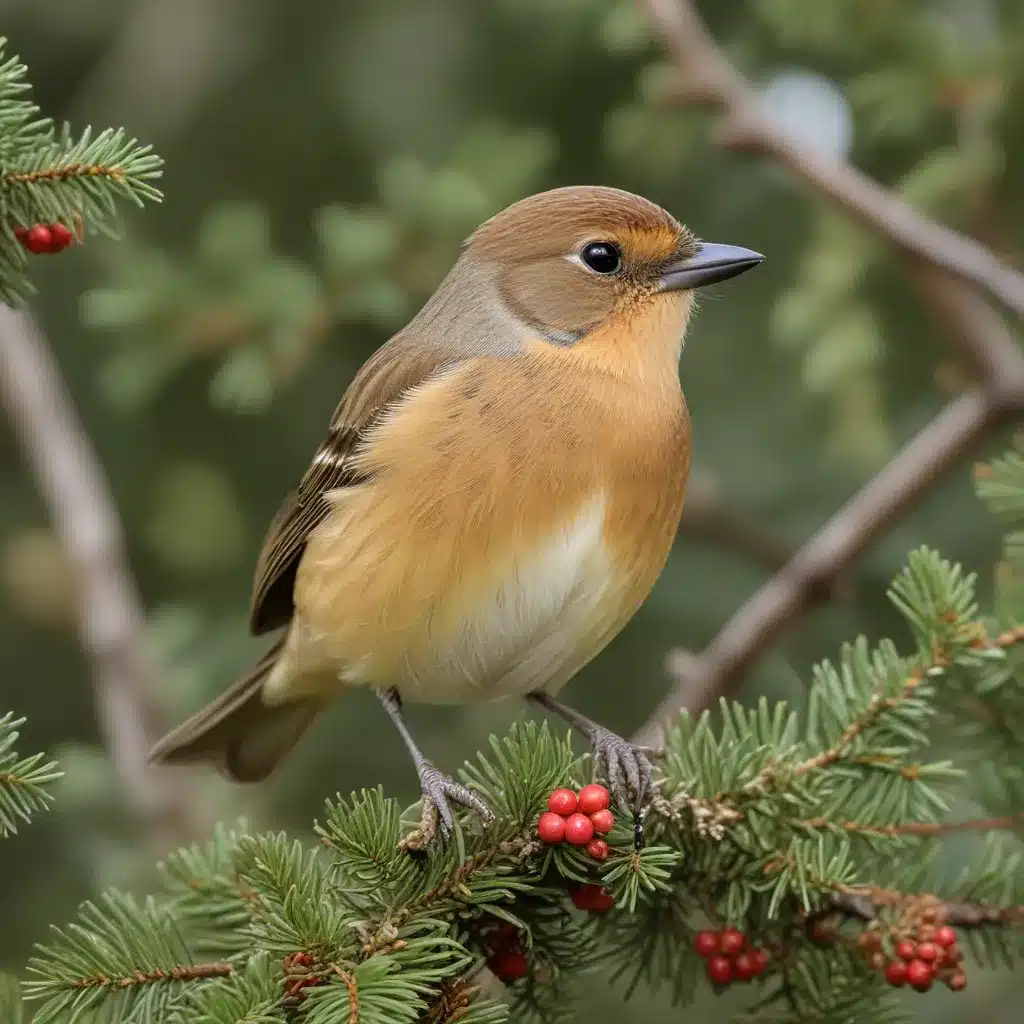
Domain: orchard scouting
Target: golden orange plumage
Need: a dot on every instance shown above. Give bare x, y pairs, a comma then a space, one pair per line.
498, 492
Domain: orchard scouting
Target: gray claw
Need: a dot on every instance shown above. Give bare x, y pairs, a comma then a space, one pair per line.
625, 766
437, 789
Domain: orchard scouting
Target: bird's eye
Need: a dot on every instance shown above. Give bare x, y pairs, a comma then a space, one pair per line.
602, 257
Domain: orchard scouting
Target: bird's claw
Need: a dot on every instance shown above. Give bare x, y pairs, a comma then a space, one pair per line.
438, 789
625, 766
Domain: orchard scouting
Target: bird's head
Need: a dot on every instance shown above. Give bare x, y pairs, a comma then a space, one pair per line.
568, 262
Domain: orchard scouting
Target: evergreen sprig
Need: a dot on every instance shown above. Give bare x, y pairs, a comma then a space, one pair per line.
127, 958
816, 830
48, 175
24, 781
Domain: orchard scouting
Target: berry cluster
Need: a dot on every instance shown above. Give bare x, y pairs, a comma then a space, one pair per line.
298, 968
507, 961
930, 954
728, 956
42, 238
578, 818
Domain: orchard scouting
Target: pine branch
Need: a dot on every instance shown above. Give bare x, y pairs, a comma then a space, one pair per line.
48, 176
117, 950
24, 782
941, 261
252, 996
814, 833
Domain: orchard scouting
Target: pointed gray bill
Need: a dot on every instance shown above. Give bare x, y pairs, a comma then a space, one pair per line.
712, 263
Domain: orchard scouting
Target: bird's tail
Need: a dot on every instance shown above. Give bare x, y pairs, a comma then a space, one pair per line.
240, 734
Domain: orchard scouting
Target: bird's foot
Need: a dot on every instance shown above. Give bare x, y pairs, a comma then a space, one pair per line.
625, 766
437, 819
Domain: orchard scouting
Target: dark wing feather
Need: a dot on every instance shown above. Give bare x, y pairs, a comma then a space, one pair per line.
383, 380
302, 511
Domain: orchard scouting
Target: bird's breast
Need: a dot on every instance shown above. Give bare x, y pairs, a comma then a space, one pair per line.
514, 627
497, 545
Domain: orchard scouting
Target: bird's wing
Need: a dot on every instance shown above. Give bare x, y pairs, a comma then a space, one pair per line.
398, 366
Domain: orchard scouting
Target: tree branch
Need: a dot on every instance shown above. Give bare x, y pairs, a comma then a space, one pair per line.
1007, 823
73, 485
708, 517
708, 77
864, 902
980, 334
701, 680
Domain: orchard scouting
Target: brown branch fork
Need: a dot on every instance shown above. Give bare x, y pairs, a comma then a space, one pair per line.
953, 275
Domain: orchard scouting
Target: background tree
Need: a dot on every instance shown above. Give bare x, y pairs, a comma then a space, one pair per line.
226, 330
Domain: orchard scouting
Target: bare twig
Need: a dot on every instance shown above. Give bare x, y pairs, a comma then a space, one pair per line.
1008, 823
702, 679
864, 902
708, 517
110, 618
974, 327
158, 975
707, 76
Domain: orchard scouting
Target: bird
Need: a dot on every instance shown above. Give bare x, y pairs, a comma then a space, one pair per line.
497, 493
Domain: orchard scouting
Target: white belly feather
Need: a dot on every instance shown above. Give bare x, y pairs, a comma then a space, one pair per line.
530, 626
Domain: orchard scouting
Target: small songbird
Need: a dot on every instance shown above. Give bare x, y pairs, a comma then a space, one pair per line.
497, 494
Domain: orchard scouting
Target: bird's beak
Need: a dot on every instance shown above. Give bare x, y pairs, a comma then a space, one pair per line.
712, 263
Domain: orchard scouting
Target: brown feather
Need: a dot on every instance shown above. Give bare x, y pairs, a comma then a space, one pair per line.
468, 484
517, 256
447, 331
242, 735
465, 449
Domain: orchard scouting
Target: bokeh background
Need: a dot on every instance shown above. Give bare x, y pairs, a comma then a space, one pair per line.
324, 160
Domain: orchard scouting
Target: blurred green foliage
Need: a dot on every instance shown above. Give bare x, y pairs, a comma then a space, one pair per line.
324, 162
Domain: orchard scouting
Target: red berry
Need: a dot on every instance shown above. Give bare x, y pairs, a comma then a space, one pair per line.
945, 936
578, 829
598, 849
592, 897
706, 943
928, 952
958, 982
503, 937
906, 950
593, 798
603, 821
551, 827
39, 239
563, 802
733, 941
745, 969
920, 974
760, 959
60, 237
719, 970
21, 233
509, 966
896, 973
